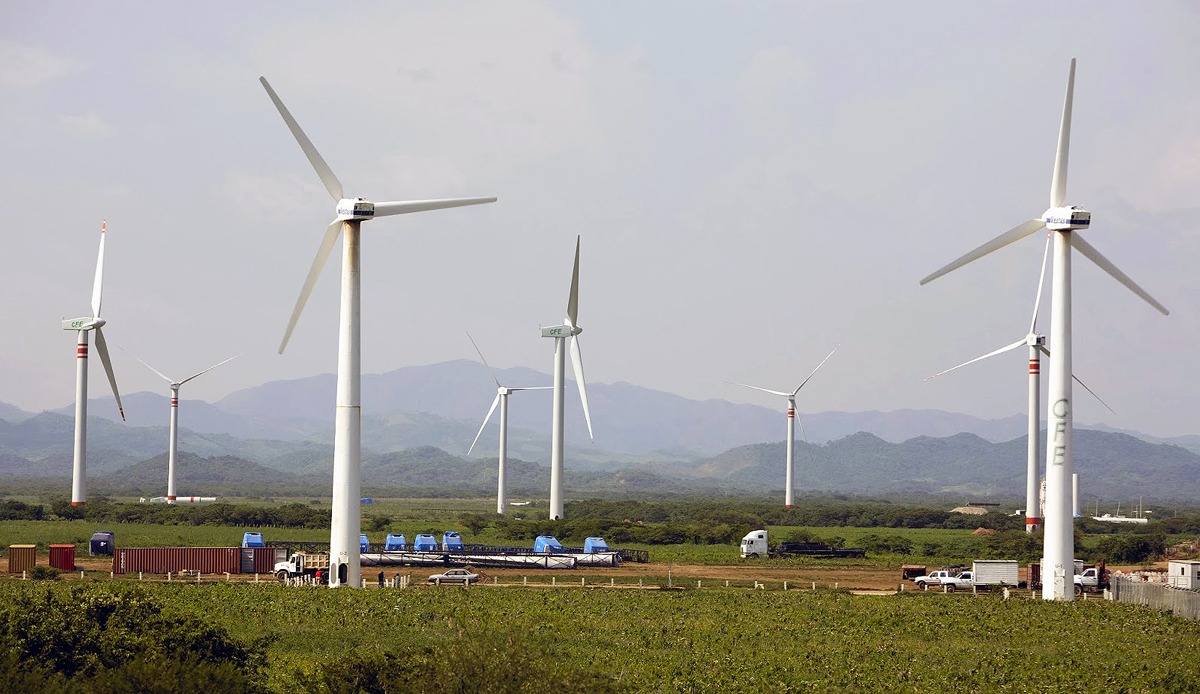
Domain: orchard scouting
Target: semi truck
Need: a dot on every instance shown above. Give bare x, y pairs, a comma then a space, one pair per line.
755, 544
302, 564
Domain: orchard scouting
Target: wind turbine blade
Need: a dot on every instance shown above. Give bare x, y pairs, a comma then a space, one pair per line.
485, 421
1037, 303
331, 236
480, 353
1045, 351
1089, 251
814, 371
573, 297
102, 350
534, 388
1017, 233
332, 184
1058, 184
384, 209
803, 434
1002, 350
98, 283
577, 364
208, 369
1093, 393
160, 374
772, 392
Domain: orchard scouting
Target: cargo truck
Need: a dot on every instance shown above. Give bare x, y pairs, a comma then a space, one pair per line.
754, 545
302, 564
996, 573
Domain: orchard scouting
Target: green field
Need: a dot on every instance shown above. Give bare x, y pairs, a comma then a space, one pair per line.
718, 640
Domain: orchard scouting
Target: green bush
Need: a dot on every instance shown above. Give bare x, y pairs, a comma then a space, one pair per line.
44, 573
99, 638
471, 664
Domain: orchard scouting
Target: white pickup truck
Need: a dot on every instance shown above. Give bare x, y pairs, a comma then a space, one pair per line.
934, 578
962, 581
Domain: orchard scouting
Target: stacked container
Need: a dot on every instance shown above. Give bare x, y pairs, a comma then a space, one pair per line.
208, 560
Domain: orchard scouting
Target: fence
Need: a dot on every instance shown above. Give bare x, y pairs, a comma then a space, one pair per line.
1181, 603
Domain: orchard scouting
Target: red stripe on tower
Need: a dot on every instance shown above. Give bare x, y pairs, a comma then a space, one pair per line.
174, 402
170, 498
1033, 521
791, 412
81, 350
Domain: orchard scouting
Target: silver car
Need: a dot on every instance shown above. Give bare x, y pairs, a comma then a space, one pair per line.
455, 576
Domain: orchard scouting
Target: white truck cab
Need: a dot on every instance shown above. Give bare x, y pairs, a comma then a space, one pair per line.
754, 544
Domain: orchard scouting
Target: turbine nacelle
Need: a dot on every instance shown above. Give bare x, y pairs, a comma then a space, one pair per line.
561, 331
83, 324
1066, 218
349, 209
1035, 340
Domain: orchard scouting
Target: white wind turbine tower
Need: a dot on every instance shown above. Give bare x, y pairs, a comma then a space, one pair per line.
502, 393
1062, 221
346, 569
82, 326
789, 477
174, 438
561, 333
1037, 347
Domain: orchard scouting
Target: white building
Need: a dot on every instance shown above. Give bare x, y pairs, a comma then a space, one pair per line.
1184, 574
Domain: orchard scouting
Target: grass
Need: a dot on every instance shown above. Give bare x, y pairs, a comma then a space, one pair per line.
727, 640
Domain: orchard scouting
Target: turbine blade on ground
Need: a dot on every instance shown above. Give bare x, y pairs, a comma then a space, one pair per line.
772, 392
486, 419
577, 364
208, 369
332, 184
331, 236
1089, 251
1002, 350
102, 350
480, 353
98, 282
385, 209
1017, 233
1037, 303
573, 297
814, 371
1058, 184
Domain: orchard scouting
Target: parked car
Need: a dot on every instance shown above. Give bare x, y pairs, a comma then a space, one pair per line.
455, 576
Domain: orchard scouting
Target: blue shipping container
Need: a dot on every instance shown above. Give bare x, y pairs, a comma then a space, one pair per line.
425, 543
364, 545
395, 543
594, 544
451, 540
253, 540
547, 543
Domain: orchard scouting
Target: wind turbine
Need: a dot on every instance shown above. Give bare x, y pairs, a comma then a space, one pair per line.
502, 393
791, 427
82, 326
1062, 221
346, 568
561, 333
1037, 347
174, 445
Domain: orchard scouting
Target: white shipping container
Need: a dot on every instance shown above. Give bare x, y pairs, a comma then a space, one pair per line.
996, 572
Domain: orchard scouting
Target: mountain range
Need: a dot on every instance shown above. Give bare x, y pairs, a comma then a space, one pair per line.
421, 420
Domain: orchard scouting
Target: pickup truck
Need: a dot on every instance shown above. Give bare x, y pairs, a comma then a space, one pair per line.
934, 578
962, 581
1091, 580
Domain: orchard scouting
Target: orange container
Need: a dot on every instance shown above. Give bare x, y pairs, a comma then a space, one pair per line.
62, 557
21, 558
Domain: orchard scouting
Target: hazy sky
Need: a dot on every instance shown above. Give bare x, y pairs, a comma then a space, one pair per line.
754, 183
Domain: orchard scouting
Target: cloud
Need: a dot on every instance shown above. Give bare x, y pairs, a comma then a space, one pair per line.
89, 126
28, 66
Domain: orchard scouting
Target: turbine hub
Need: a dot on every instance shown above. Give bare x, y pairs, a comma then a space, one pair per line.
349, 209
1066, 218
